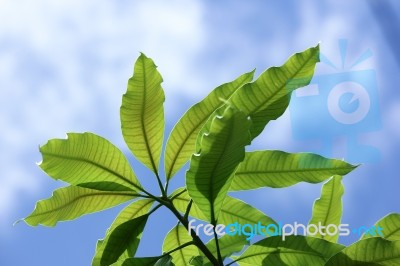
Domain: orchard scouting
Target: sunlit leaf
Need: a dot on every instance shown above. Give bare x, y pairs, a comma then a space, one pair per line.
388, 226
278, 169
90, 161
222, 149
71, 202
146, 261
180, 145
123, 236
373, 251
327, 210
294, 250
175, 238
233, 210
268, 96
142, 113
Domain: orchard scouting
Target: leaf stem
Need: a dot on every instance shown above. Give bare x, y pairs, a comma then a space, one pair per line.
196, 239
221, 261
178, 248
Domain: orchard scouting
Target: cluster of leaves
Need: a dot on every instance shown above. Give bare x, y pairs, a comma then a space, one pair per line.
212, 135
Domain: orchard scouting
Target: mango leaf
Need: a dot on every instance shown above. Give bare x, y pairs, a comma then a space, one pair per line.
71, 202
90, 161
175, 238
388, 226
233, 210
278, 169
180, 144
294, 250
327, 209
197, 261
123, 237
227, 246
142, 113
222, 149
268, 96
371, 251
146, 261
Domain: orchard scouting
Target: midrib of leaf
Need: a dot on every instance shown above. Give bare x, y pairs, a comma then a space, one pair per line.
181, 147
392, 233
290, 171
285, 252
330, 204
281, 87
386, 258
179, 244
72, 158
188, 136
214, 168
144, 131
78, 198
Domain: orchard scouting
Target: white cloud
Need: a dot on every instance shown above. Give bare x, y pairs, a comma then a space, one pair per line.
64, 65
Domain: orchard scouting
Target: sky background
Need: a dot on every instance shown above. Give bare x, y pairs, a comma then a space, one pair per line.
64, 66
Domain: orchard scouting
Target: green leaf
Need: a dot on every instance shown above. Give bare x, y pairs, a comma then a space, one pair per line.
146, 261
175, 238
371, 251
222, 149
388, 226
123, 236
233, 210
294, 250
197, 261
327, 209
71, 202
90, 161
267, 98
278, 169
227, 246
180, 144
142, 113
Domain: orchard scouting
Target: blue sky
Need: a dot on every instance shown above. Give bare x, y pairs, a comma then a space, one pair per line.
64, 67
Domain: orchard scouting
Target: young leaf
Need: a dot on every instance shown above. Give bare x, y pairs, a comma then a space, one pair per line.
197, 261
267, 98
278, 169
294, 250
71, 202
146, 261
222, 149
371, 251
142, 113
180, 144
90, 161
129, 237
227, 245
327, 209
233, 210
390, 225
175, 238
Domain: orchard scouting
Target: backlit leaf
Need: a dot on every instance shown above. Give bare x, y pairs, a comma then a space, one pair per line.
142, 113
175, 238
327, 210
222, 149
278, 169
181, 142
71, 202
90, 161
